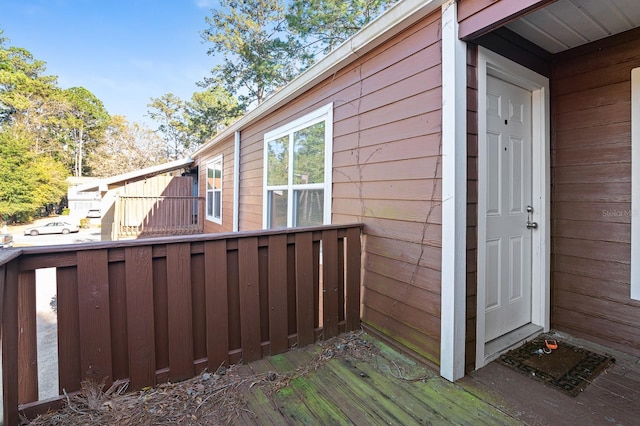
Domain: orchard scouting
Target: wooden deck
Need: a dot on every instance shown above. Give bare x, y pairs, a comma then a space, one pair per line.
357, 379
390, 388
336, 387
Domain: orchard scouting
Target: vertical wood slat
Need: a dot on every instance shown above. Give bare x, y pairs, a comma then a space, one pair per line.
353, 279
341, 279
263, 292
304, 288
95, 327
140, 316
249, 298
10, 344
216, 294
68, 330
233, 294
161, 309
278, 312
330, 296
118, 319
198, 307
179, 311
317, 299
27, 338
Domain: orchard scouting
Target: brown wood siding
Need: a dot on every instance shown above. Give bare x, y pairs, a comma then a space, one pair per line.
472, 206
591, 192
226, 148
386, 174
478, 17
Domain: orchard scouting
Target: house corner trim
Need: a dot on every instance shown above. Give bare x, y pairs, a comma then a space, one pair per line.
454, 197
236, 182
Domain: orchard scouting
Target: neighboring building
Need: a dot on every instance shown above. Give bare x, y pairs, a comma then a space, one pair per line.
80, 203
155, 201
487, 148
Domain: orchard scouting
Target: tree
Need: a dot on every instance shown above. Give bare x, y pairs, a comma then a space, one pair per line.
258, 55
31, 100
127, 147
169, 111
27, 181
325, 24
86, 121
210, 111
32, 172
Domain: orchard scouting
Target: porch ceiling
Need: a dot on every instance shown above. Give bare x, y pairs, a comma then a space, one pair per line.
566, 24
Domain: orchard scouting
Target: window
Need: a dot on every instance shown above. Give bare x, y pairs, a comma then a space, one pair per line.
635, 184
214, 190
297, 172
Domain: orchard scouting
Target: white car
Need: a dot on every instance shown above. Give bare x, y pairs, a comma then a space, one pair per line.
52, 228
94, 213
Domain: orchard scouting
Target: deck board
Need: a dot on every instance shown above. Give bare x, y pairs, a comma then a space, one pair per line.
353, 406
387, 389
358, 387
308, 391
260, 408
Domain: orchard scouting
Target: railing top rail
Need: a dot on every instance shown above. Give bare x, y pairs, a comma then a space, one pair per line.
7, 255
178, 239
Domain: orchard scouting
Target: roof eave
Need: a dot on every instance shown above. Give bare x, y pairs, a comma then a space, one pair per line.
149, 171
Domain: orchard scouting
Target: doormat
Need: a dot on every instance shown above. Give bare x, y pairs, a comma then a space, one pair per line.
568, 368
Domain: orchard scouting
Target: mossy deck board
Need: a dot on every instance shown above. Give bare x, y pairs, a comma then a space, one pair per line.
317, 386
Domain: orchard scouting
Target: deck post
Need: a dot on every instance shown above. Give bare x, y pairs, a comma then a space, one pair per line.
9, 287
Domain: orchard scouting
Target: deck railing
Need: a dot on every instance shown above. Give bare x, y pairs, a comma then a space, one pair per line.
145, 216
148, 311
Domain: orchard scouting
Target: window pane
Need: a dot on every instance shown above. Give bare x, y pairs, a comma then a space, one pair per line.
209, 178
309, 207
308, 155
277, 209
209, 204
217, 181
217, 204
278, 161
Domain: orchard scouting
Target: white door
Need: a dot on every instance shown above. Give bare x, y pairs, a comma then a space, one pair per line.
508, 196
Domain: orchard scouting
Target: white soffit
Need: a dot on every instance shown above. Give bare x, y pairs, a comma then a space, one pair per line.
566, 24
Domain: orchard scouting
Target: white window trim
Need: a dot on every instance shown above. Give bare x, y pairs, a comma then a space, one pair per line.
210, 165
635, 184
321, 114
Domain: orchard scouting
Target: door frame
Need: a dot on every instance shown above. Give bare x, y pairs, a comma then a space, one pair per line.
490, 63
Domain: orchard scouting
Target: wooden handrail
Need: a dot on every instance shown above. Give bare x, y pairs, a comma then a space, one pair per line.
151, 310
158, 215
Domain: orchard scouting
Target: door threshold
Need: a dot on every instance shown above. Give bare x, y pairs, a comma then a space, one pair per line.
502, 344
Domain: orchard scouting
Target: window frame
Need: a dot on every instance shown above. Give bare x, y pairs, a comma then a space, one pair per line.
211, 166
322, 114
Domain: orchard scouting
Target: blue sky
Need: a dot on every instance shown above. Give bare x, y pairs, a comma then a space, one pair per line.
124, 52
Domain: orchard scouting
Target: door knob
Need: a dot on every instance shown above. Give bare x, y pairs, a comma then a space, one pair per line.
532, 225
